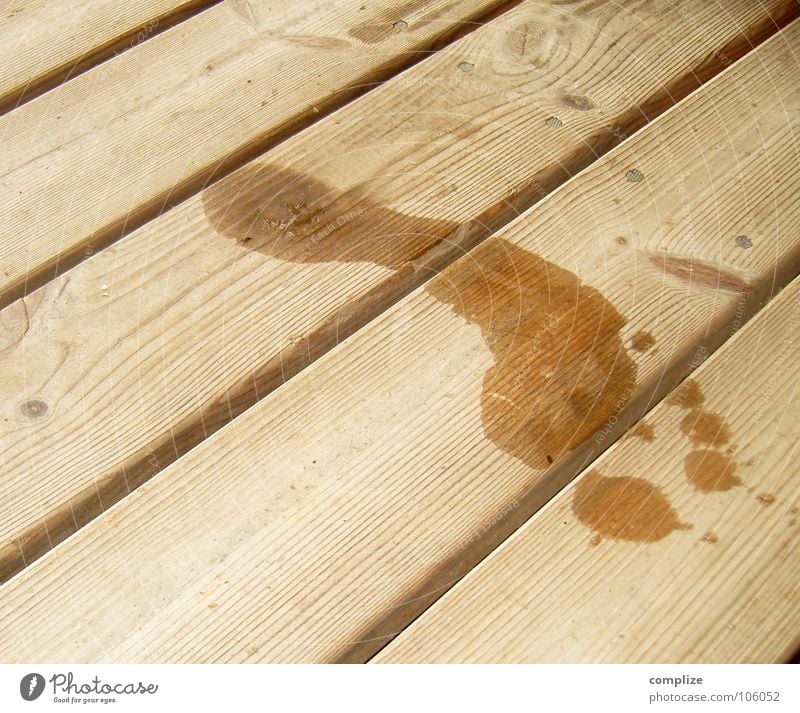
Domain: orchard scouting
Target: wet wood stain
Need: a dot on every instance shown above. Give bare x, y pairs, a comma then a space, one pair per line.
644, 431
625, 508
561, 370
643, 341
711, 471
766, 498
705, 428
711, 538
687, 395
708, 470
297, 218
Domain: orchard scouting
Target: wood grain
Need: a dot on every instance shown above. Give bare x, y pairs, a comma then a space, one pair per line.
43, 43
111, 149
723, 590
326, 518
142, 351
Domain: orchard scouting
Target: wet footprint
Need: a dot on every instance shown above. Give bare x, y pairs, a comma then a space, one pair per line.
561, 371
708, 467
631, 509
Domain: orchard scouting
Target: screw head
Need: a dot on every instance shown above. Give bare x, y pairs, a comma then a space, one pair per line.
744, 242
634, 175
466, 66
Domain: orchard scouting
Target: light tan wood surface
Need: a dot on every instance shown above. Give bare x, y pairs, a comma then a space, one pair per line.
42, 42
133, 357
591, 579
107, 151
323, 520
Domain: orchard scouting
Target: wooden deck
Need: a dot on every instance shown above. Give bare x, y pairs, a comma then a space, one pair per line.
439, 330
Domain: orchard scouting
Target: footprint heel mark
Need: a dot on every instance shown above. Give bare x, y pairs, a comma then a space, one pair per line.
298, 218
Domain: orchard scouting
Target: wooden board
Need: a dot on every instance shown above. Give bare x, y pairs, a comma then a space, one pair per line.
597, 576
138, 354
324, 519
105, 152
42, 42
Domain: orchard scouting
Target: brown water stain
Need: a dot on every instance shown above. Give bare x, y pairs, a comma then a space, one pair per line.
711, 471
297, 218
708, 470
560, 369
644, 431
643, 341
688, 395
625, 508
700, 273
710, 537
766, 498
704, 467
705, 428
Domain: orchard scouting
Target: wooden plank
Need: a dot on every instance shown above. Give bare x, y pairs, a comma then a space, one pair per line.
142, 351
596, 577
43, 43
107, 151
329, 515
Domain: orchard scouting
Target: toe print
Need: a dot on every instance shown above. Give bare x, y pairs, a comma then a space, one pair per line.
707, 467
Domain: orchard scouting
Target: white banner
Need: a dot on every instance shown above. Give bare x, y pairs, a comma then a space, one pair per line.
404, 689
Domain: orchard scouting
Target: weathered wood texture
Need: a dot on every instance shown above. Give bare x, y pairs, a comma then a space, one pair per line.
136, 355
324, 519
111, 148
721, 589
43, 43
